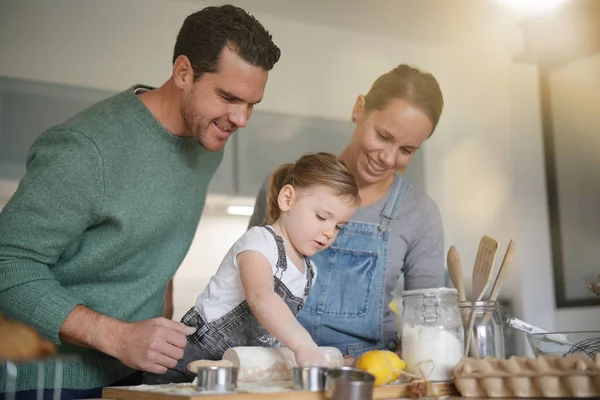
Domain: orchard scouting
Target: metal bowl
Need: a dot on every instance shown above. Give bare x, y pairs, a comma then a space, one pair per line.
217, 379
311, 379
347, 383
563, 343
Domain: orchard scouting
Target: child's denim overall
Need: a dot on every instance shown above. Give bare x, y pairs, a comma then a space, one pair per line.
346, 305
239, 327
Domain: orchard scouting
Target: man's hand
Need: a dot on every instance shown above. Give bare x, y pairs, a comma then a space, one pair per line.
151, 345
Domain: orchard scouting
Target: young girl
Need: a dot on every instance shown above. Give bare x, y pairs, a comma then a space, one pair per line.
266, 275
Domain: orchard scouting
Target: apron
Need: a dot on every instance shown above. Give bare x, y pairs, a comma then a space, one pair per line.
345, 307
239, 327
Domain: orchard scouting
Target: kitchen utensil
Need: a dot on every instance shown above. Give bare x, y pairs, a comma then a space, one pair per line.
502, 273
484, 265
214, 378
346, 383
560, 342
524, 326
586, 342
432, 333
482, 275
456, 276
488, 332
309, 378
532, 329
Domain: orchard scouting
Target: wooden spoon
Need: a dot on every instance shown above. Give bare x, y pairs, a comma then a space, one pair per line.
484, 265
456, 273
456, 276
509, 256
482, 276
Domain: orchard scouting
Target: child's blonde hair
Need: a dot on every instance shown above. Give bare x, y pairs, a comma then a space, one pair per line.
311, 170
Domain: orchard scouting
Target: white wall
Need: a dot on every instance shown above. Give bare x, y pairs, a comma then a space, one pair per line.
7, 188
214, 237
575, 96
487, 148
486, 168
483, 166
113, 44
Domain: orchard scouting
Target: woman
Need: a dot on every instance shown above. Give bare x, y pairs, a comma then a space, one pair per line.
396, 230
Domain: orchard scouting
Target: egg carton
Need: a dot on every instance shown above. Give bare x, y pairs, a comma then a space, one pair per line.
571, 376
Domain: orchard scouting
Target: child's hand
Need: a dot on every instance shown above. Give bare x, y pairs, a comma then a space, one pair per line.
272, 312
310, 356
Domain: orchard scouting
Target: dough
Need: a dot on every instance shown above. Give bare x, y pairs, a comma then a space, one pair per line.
258, 364
194, 365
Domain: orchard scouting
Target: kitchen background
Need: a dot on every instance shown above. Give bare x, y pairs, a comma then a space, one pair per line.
484, 166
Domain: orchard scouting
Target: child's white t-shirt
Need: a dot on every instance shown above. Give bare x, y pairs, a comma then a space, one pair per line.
224, 292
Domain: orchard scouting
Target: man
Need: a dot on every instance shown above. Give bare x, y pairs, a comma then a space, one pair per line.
111, 200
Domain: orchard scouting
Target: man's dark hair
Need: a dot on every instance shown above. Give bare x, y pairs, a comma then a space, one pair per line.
205, 33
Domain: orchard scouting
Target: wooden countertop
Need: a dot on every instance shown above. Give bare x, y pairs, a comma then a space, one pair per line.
386, 392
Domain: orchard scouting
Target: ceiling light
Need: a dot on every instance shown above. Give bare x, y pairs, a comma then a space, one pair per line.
240, 210
530, 7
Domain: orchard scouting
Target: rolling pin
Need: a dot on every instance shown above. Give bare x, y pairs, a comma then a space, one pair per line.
258, 364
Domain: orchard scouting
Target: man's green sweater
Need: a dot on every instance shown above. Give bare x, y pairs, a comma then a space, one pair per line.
103, 217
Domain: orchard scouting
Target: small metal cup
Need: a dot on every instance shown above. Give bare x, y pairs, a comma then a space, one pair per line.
311, 379
218, 379
346, 383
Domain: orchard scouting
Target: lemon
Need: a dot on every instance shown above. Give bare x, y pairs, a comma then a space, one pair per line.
393, 306
383, 364
398, 364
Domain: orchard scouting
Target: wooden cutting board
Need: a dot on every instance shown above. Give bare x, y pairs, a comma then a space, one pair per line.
394, 391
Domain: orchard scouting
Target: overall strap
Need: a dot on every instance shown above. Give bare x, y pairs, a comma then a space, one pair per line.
310, 276
396, 196
281, 256
282, 262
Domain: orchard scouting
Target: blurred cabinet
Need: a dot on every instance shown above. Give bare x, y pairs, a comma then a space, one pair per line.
271, 139
223, 182
28, 108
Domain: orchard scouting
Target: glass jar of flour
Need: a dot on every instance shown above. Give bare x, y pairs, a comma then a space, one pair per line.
432, 333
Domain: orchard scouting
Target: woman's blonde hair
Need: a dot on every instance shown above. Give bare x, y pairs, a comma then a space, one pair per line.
420, 89
310, 170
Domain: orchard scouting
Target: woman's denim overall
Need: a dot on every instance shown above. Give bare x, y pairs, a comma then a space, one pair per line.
239, 327
346, 305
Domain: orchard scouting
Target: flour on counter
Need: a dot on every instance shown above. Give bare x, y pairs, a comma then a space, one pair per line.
189, 389
423, 343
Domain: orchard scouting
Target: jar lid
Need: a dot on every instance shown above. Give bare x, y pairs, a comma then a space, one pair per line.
430, 292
